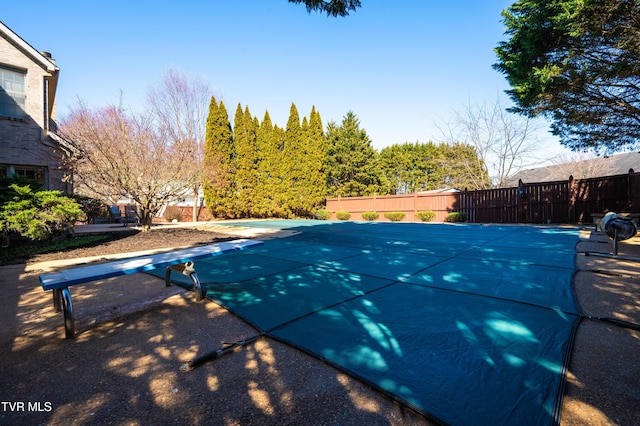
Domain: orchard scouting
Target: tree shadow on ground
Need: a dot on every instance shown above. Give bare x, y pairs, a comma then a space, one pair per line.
125, 368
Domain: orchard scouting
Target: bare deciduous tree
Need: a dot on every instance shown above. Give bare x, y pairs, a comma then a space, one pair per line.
179, 107
504, 141
582, 165
152, 158
120, 155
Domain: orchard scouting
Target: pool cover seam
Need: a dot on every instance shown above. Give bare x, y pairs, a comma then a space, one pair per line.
403, 280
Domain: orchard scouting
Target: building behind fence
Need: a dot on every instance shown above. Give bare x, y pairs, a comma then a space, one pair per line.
566, 201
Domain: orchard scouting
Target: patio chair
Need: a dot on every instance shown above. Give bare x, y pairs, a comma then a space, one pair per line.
131, 214
115, 215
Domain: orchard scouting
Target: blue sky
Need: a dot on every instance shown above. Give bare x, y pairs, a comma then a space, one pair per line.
400, 66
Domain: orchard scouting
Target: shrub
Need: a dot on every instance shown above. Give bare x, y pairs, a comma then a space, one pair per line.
370, 215
205, 215
456, 217
173, 213
7, 190
323, 214
426, 216
39, 215
343, 215
92, 207
394, 216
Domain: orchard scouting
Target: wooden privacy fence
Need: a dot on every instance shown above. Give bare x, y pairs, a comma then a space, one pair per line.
567, 201
441, 203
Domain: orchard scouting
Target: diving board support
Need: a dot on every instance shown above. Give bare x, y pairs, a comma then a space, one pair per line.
189, 270
62, 301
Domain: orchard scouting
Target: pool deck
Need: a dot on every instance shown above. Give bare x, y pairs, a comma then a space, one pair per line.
123, 367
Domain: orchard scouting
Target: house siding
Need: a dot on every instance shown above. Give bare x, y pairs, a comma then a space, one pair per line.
23, 141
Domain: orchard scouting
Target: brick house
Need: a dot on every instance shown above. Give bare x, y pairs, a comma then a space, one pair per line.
29, 145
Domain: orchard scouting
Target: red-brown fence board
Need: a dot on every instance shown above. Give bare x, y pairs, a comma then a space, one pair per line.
409, 204
567, 201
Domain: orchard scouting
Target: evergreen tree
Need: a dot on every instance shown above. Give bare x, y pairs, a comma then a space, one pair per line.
280, 169
575, 62
245, 162
303, 165
219, 155
414, 167
331, 7
291, 164
316, 154
268, 160
411, 167
463, 167
352, 162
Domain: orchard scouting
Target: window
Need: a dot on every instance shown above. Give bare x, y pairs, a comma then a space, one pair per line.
12, 93
28, 173
34, 173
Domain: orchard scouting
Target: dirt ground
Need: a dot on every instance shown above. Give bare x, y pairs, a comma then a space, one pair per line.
133, 334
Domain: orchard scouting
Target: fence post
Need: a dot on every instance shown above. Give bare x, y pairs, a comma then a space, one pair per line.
520, 201
631, 194
375, 202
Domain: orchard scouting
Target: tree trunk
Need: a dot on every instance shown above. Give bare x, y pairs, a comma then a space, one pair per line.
194, 213
146, 217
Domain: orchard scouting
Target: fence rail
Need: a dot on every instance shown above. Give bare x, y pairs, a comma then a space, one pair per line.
566, 201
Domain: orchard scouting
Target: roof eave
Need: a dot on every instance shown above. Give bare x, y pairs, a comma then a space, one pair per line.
39, 57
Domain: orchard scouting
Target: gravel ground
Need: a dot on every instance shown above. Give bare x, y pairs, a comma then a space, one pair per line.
133, 334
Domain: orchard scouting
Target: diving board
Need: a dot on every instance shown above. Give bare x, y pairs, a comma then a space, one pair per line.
177, 260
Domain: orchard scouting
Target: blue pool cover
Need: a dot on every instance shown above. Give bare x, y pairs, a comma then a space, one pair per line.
466, 324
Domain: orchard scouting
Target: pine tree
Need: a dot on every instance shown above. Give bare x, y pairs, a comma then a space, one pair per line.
352, 162
219, 171
315, 157
464, 166
267, 162
245, 162
280, 170
291, 164
412, 167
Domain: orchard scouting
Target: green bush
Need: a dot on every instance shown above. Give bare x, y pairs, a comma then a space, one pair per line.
456, 217
370, 215
92, 208
426, 216
343, 215
39, 215
7, 192
323, 214
394, 216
